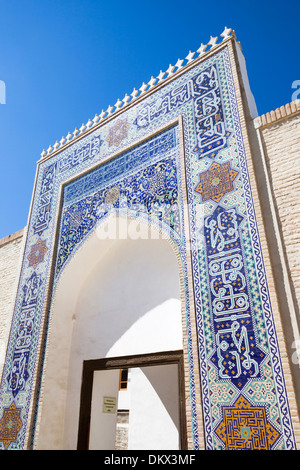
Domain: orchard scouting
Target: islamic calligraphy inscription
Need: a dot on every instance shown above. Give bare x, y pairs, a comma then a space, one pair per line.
204, 91
211, 132
167, 103
19, 369
237, 356
216, 181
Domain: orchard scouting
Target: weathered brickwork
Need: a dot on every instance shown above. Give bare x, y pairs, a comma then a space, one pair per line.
10, 250
122, 430
280, 133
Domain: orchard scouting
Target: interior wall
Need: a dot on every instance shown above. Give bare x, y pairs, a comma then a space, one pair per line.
124, 301
103, 425
154, 408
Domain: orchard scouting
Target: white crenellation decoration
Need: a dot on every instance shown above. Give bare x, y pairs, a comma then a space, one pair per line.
170, 70
202, 49
143, 88
190, 56
161, 76
178, 64
153, 82
213, 42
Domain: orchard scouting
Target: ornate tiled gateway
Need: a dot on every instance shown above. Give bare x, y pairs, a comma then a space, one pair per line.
176, 140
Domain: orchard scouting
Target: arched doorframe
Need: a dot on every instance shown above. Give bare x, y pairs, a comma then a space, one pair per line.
77, 254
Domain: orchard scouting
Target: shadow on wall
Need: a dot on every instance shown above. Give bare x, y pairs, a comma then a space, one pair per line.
135, 278
114, 298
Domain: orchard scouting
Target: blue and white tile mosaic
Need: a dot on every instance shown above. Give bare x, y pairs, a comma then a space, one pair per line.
133, 162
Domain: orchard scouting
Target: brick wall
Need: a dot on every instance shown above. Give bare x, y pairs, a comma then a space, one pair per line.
122, 430
10, 251
280, 136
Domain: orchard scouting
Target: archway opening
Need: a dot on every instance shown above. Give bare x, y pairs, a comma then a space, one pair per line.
115, 298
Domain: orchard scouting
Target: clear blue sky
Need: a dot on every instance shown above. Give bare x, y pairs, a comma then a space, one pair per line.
63, 61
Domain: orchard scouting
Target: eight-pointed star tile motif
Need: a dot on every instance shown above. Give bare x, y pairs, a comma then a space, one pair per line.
216, 181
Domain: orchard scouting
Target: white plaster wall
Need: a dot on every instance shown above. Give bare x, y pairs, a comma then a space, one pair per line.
153, 404
103, 425
130, 299
154, 408
248, 92
116, 298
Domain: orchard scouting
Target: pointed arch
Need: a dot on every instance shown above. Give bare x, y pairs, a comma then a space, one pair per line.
114, 297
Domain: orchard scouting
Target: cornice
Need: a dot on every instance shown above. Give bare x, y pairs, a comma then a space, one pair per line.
283, 112
146, 89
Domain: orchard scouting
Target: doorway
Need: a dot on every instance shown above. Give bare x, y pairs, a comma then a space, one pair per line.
116, 298
152, 416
